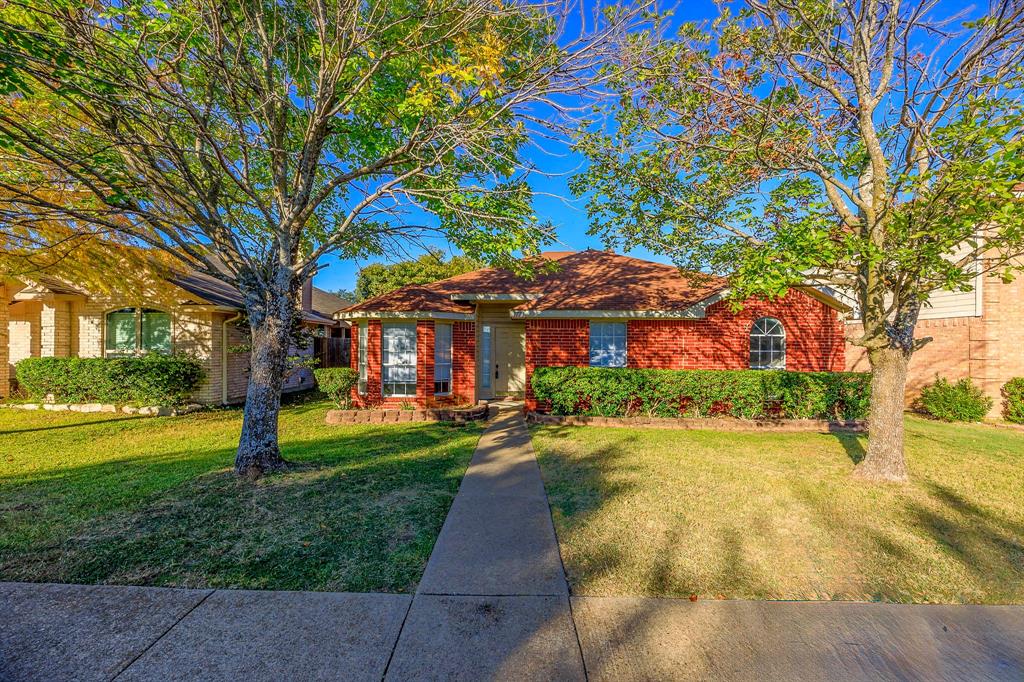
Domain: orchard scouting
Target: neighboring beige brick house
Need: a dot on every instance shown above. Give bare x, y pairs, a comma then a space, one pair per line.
977, 334
49, 318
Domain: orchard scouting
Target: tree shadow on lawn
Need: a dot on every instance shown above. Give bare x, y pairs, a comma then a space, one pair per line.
580, 487
359, 510
853, 444
72, 425
923, 542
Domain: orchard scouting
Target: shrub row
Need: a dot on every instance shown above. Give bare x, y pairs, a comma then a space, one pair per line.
1013, 400
337, 383
150, 379
958, 401
748, 394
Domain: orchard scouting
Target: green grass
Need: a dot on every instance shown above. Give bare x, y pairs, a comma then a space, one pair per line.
777, 516
153, 501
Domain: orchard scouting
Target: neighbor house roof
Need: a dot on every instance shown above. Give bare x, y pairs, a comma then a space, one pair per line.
213, 290
584, 282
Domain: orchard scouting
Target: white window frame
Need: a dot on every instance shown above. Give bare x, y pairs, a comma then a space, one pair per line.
443, 346
138, 312
767, 331
387, 352
605, 339
362, 363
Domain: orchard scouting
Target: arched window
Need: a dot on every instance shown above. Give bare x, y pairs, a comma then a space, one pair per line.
133, 331
767, 344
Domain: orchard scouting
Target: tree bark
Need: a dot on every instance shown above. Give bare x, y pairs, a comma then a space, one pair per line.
884, 460
258, 451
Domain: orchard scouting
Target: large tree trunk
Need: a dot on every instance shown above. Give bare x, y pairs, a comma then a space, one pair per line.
884, 460
258, 450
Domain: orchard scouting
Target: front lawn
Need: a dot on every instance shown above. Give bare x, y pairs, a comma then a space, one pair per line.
153, 501
777, 516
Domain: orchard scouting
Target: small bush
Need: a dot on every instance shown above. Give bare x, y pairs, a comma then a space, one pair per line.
955, 402
1013, 400
150, 379
337, 383
748, 394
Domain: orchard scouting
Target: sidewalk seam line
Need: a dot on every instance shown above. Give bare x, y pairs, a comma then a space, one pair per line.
398, 638
162, 635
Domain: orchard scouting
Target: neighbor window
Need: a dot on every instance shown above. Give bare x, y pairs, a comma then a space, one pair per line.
443, 358
768, 344
361, 358
133, 331
398, 360
607, 344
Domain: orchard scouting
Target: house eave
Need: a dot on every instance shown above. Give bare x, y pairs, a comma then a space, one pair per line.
401, 315
692, 313
495, 297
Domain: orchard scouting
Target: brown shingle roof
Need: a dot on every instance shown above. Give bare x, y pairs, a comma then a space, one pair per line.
584, 280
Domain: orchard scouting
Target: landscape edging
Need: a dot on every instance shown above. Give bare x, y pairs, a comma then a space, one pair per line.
392, 415
705, 424
108, 408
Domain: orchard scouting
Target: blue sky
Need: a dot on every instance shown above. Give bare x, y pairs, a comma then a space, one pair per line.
556, 165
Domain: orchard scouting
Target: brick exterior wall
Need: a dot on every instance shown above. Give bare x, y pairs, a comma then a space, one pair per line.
55, 329
23, 331
463, 366
988, 349
555, 343
464, 362
814, 339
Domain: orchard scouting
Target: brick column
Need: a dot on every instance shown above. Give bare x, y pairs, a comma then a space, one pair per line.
374, 390
5, 344
424, 363
464, 362
54, 330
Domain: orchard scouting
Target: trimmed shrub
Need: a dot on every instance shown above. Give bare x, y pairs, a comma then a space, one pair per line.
337, 383
961, 401
151, 379
747, 394
1013, 400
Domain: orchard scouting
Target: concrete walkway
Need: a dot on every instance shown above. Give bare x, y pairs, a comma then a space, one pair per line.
493, 604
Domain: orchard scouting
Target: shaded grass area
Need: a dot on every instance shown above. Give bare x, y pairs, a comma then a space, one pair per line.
777, 516
153, 501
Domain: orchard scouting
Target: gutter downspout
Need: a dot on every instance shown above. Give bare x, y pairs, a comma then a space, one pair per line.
224, 357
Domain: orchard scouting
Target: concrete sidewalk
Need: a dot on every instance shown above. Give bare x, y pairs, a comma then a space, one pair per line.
493, 604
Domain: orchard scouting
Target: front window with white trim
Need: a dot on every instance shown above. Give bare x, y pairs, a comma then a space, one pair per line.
361, 357
607, 344
767, 344
442, 359
398, 360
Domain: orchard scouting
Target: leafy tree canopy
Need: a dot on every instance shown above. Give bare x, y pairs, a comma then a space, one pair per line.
869, 146
374, 280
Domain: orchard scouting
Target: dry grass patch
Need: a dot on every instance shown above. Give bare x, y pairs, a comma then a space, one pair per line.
777, 516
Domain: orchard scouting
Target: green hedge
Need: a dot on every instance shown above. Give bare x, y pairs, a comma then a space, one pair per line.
748, 394
337, 383
1013, 400
151, 379
960, 401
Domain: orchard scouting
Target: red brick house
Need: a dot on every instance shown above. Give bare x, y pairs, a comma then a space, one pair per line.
480, 335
